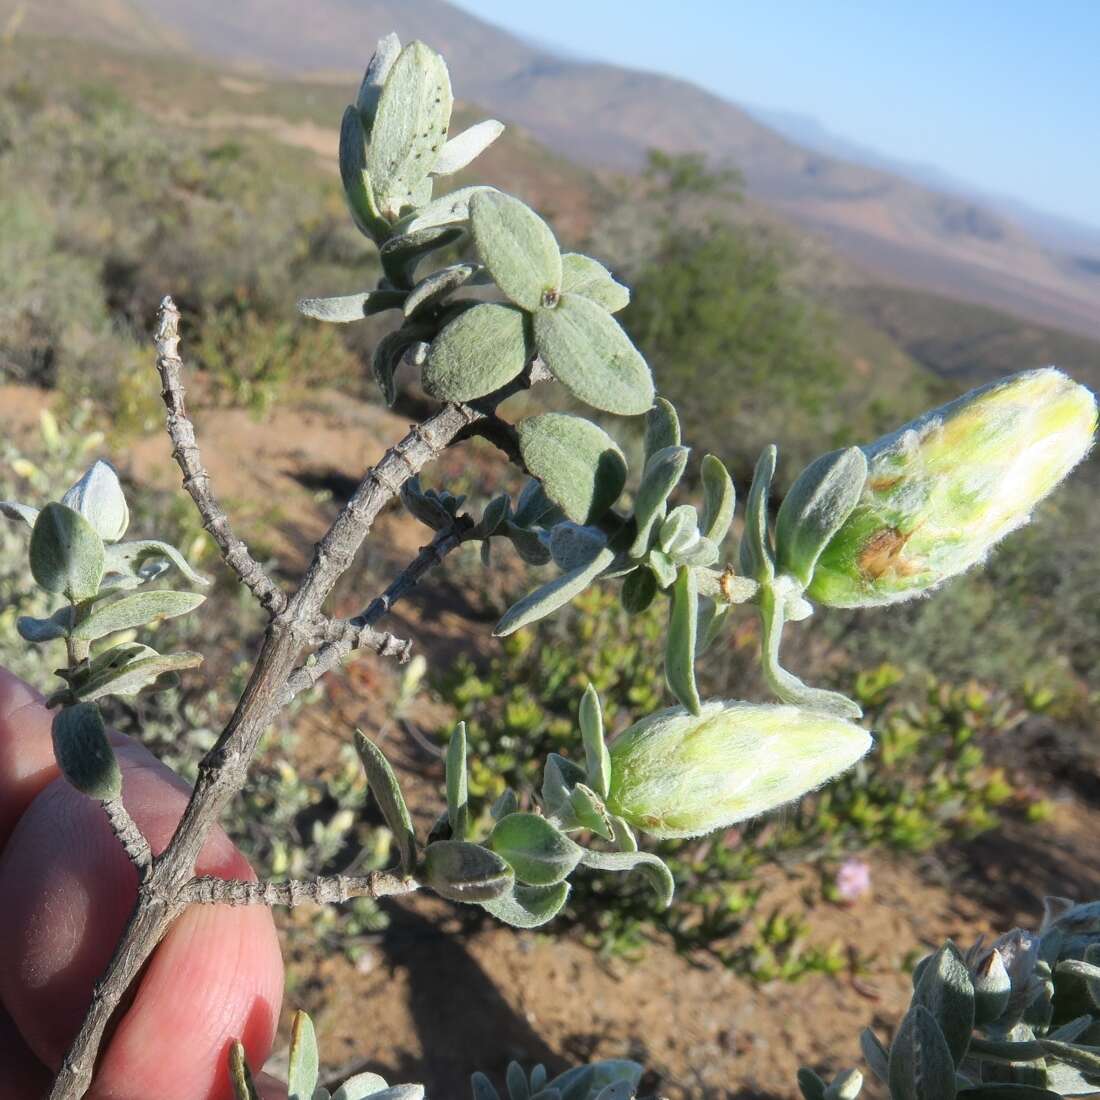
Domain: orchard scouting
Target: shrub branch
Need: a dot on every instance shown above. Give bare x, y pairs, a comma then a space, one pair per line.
167, 887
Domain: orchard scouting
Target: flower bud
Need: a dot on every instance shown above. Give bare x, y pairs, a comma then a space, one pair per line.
992, 989
941, 491
98, 497
675, 774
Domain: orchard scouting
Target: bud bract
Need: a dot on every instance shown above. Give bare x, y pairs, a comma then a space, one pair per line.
675, 774
98, 497
941, 491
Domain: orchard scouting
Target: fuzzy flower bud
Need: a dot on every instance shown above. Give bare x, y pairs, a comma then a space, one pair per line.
675, 774
98, 497
941, 491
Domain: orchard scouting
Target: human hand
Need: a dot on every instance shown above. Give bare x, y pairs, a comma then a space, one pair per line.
66, 890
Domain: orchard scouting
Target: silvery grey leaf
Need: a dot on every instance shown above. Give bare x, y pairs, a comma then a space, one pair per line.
239, 1074
463, 148
99, 498
663, 471
304, 1063
539, 853
506, 803
662, 427
719, 499
584, 347
663, 568
580, 466
458, 800
432, 289
946, 990
477, 353
465, 872
22, 513
589, 278
596, 756
559, 776
66, 553
402, 253
540, 603
518, 248
384, 786
530, 545
680, 643
140, 667
450, 209
874, 1054
45, 630
920, 1066
83, 752
638, 591
573, 546
385, 54
516, 1080
389, 354
821, 499
757, 555
360, 1087
410, 125
482, 1087
351, 307
136, 609
145, 560
584, 1082
356, 180
679, 531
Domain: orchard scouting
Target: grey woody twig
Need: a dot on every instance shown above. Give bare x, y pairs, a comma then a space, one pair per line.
196, 480
326, 890
166, 886
129, 835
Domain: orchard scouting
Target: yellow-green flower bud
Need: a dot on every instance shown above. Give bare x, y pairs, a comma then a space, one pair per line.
675, 774
941, 491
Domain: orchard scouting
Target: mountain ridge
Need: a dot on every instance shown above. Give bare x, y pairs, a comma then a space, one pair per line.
608, 117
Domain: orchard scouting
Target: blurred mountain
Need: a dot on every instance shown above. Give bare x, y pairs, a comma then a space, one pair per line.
607, 117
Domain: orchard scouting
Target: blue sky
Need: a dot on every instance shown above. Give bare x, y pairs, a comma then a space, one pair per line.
1004, 95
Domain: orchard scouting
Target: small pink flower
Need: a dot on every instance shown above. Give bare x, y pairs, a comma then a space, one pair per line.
853, 879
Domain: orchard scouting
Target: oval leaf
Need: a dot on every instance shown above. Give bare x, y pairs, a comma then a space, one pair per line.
921, 1066
596, 756
540, 603
540, 854
529, 906
410, 125
662, 474
821, 499
139, 609
586, 350
518, 248
458, 808
464, 147
719, 499
680, 645
304, 1064
387, 792
465, 872
83, 752
579, 464
589, 278
66, 554
351, 307
477, 353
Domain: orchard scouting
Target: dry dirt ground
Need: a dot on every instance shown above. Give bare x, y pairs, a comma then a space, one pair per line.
432, 1000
